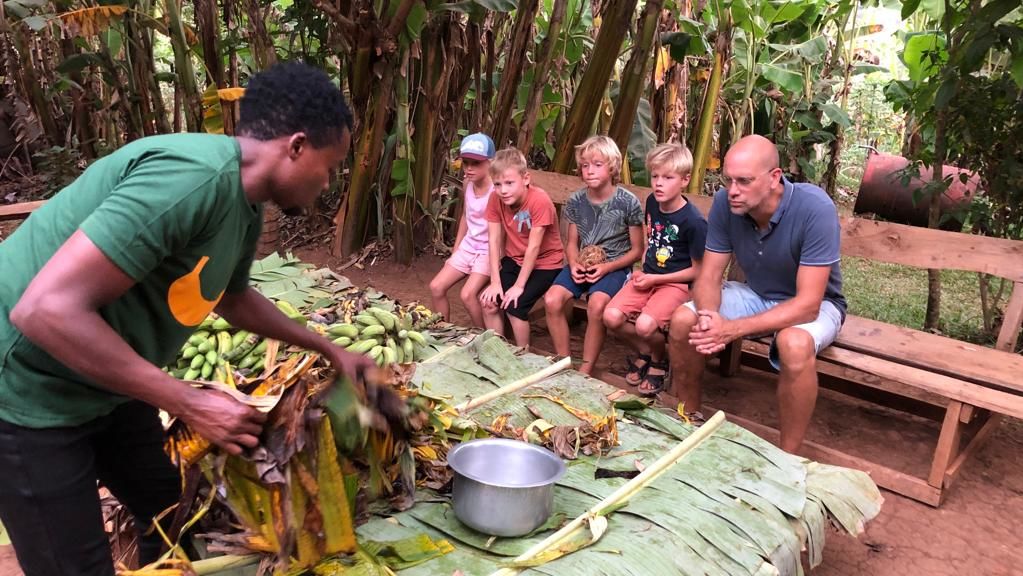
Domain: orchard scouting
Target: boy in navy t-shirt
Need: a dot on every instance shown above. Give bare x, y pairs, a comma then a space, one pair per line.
675, 232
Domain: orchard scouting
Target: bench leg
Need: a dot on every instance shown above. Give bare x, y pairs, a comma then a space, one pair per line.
948, 444
730, 359
988, 424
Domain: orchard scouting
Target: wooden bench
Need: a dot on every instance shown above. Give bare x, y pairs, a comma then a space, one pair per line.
18, 211
965, 387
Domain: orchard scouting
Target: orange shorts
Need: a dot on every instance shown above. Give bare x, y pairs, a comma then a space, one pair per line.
659, 302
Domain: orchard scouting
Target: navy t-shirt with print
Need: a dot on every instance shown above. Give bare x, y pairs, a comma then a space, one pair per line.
674, 239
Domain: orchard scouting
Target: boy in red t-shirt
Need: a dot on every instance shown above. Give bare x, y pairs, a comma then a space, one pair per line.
523, 227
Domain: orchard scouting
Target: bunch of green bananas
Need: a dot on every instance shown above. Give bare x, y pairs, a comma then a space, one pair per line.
216, 349
385, 336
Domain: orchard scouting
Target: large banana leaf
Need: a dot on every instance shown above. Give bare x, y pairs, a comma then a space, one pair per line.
737, 505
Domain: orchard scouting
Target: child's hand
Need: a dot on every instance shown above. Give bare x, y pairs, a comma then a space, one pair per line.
578, 273
492, 295
642, 281
511, 297
596, 273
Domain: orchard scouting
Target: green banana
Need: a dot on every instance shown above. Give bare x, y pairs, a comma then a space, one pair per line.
220, 324
390, 356
374, 330
409, 350
417, 337
242, 349
366, 319
342, 341
338, 330
249, 361
198, 338
387, 319
191, 374
207, 371
197, 361
189, 352
211, 357
363, 346
238, 338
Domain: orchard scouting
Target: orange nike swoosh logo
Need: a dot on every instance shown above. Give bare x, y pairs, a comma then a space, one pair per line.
185, 300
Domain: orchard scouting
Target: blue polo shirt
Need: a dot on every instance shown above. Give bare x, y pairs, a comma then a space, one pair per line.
804, 231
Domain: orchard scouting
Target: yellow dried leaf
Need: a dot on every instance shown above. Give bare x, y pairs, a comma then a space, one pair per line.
425, 452
231, 94
88, 22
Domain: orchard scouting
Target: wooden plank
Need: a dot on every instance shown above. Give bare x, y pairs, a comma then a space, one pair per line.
1009, 334
861, 385
19, 211
952, 388
977, 442
888, 478
933, 353
928, 248
731, 359
948, 445
560, 186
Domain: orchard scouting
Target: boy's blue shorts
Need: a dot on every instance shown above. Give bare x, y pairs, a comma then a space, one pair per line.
609, 284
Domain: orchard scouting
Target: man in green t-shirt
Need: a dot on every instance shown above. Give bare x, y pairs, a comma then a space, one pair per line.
104, 283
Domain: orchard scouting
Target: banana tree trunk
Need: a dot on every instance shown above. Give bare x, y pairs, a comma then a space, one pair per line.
634, 78
425, 123
705, 131
262, 45
527, 126
592, 86
191, 98
515, 58
352, 219
40, 104
403, 203
83, 124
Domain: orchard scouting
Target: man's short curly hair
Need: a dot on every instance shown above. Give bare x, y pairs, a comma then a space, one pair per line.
294, 97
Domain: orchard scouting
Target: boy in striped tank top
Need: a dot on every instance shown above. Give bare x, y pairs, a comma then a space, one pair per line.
470, 256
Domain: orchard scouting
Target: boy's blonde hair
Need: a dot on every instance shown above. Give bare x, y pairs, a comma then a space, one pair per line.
673, 156
509, 158
603, 146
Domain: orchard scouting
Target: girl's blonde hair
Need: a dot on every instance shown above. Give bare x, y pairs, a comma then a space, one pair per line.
672, 156
509, 158
602, 146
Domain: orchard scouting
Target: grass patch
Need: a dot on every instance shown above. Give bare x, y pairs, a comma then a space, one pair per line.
898, 295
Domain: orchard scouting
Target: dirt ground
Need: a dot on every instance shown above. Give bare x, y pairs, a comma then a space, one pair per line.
973, 532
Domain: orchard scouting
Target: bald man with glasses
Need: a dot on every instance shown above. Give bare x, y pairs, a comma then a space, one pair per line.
785, 237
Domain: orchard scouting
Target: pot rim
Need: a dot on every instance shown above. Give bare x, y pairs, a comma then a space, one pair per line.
550, 481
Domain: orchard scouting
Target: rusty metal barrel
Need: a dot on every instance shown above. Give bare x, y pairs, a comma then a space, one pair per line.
883, 194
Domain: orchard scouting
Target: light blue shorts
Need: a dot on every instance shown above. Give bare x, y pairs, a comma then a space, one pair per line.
738, 300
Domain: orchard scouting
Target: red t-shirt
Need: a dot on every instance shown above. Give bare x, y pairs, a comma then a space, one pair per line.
536, 210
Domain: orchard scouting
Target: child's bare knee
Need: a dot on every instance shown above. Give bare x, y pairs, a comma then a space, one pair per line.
646, 326
613, 318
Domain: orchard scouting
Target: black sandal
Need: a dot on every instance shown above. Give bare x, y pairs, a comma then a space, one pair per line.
637, 373
655, 383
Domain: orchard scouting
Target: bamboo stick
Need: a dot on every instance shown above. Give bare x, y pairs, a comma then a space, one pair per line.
516, 385
218, 564
622, 494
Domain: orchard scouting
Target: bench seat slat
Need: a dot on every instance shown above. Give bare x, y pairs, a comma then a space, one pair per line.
19, 210
933, 353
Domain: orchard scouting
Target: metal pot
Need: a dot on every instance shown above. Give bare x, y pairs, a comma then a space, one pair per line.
503, 487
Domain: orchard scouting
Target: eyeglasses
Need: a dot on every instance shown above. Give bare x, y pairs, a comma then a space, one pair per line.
742, 181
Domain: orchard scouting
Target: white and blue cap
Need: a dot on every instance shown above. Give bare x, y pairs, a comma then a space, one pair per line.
477, 146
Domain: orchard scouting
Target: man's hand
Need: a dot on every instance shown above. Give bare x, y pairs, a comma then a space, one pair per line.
578, 273
352, 365
492, 295
223, 420
643, 281
511, 297
596, 273
711, 333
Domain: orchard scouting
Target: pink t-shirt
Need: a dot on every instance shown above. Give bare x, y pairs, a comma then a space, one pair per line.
476, 235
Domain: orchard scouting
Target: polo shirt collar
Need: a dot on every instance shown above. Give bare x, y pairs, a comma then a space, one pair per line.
786, 199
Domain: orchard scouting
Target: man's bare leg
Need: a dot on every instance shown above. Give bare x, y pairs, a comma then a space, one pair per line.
686, 363
797, 386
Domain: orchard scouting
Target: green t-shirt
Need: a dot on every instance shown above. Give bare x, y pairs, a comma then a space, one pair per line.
171, 213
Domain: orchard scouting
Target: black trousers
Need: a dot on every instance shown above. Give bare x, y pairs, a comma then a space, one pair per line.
48, 489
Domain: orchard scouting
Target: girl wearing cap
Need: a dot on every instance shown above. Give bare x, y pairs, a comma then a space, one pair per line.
470, 256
